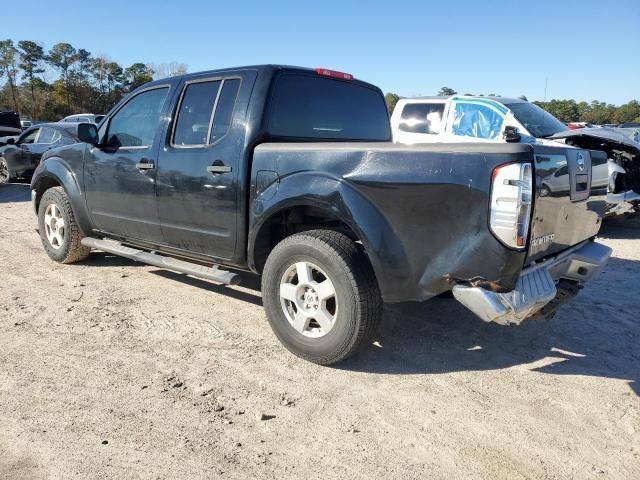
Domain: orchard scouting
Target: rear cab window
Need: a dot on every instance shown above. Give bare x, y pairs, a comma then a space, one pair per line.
309, 106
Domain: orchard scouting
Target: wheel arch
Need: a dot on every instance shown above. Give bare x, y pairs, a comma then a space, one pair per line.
335, 206
55, 172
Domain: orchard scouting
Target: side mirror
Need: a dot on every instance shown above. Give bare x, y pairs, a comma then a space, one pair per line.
88, 133
511, 134
11, 141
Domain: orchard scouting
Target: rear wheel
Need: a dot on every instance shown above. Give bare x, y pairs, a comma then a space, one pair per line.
59, 231
5, 171
321, 296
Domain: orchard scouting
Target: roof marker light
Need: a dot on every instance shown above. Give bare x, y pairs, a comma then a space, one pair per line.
334, 73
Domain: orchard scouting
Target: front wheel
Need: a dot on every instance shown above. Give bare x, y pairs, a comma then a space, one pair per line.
59, 231
321, 296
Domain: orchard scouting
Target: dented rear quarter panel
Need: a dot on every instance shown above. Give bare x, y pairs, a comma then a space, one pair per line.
421, 212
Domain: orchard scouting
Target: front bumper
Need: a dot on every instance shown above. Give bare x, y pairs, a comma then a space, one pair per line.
536, 286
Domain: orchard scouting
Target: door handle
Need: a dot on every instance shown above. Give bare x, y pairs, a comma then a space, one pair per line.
145, 164
219, 168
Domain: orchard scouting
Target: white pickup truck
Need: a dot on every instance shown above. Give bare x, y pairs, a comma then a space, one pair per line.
461, 119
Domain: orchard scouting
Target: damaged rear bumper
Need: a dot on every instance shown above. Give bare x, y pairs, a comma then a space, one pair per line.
537, 287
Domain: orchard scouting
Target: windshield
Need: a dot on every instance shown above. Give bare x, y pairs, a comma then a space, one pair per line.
308, 106
539, 122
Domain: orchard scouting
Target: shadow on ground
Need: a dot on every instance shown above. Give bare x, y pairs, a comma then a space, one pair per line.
621, 228
15, 192
588, 337
248, 280
596, 335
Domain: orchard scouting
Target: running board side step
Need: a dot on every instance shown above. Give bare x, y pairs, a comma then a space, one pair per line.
208, 273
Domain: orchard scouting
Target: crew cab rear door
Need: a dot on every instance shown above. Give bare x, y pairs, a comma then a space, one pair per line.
200, 165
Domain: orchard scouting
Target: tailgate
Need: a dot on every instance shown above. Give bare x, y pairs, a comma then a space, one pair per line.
566, 211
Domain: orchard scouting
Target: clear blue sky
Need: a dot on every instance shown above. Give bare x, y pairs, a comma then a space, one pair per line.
587, 49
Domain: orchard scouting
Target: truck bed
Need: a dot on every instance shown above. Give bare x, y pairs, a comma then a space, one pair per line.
432, 205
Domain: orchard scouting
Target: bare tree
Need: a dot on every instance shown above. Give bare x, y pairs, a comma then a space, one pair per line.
164, 70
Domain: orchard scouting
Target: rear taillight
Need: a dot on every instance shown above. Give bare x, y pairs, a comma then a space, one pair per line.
510, 212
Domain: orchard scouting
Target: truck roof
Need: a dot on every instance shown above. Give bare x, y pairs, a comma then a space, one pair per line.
258, 68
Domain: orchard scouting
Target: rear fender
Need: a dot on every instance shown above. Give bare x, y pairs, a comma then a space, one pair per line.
342, 201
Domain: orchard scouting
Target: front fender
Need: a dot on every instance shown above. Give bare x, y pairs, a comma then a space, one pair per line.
342, 201
58, 170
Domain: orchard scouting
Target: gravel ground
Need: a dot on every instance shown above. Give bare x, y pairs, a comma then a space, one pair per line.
111, 369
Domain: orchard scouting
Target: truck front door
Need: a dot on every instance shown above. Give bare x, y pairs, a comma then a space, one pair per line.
200, 165
120, 176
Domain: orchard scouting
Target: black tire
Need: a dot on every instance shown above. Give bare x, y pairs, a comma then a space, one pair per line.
6, 175
359, 303
70, 250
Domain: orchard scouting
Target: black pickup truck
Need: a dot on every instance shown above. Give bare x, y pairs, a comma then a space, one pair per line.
290, 173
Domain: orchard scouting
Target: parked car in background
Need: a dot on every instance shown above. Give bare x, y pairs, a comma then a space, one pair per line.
21, 155
10, 124
26, 122
83, 118
630, 125
291, 173
463, 119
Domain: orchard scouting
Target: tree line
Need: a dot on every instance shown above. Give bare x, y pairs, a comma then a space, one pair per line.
51, 84
565, 110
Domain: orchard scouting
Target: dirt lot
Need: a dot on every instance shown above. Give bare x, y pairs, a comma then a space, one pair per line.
110, 369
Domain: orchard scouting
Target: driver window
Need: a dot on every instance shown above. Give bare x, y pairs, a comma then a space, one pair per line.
475, 120
30, 137
135, 124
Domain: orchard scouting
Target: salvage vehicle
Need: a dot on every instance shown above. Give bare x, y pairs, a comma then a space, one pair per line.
499, 119
291, 173
21, 155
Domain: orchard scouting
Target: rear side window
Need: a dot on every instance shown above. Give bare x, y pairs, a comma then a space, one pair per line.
194, 116
422, 118
205, 113
305, 106
224, 109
